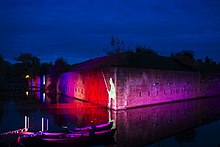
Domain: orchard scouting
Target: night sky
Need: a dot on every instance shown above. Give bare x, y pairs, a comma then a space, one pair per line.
79, 30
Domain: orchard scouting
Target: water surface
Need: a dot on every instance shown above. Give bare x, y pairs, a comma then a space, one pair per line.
188, 123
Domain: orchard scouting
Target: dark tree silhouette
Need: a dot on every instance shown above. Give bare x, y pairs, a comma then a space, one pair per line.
117, 46
5, 73
28, 64
143, 49
209, 60
25, 58
45, 68
185, 57
59, 67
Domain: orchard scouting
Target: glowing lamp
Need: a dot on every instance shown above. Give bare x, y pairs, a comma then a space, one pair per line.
27, 76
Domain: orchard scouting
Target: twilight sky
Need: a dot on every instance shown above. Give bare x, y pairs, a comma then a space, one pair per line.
79, 29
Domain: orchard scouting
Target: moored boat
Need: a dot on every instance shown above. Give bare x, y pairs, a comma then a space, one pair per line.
99, 127
65, 138
77, 137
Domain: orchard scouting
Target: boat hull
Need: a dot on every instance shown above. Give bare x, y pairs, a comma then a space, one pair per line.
100, 127
70, 138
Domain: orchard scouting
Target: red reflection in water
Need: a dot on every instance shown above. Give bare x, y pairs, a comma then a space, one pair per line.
74, 111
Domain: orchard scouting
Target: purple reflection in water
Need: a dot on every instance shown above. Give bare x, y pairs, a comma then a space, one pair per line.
146, 125
135, 127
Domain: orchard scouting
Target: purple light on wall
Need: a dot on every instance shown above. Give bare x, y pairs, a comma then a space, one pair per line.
44, 79
38, 83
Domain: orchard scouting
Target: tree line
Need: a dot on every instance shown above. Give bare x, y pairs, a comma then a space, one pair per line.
27, 64
188, 56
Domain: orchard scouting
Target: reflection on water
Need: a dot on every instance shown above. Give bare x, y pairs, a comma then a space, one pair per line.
135, 127
146, 125
203, 136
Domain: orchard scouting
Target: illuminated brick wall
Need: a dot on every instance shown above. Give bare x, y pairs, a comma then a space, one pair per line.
137, 87
144, 87
87, 85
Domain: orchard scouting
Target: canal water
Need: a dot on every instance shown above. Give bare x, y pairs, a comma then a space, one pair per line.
188, 123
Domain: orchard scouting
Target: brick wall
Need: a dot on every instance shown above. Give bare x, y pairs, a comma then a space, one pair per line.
143, 86
87, 85
137, 87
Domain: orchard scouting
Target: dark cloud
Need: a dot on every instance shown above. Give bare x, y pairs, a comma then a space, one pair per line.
79, 30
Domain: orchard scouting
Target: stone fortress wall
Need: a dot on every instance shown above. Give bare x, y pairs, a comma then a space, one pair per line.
136, 87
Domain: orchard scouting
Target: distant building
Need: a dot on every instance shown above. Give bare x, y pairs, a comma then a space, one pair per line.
128, 80
37, 83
